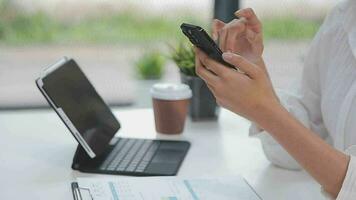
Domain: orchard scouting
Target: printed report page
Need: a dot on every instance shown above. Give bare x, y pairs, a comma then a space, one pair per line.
167, 188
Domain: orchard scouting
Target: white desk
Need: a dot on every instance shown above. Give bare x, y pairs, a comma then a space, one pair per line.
36, 152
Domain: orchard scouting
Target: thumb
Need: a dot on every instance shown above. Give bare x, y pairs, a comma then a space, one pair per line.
217, 25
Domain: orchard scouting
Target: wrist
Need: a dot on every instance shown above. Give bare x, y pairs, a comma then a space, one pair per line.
270, 113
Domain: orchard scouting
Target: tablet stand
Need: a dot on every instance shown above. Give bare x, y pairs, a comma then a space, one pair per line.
80, 157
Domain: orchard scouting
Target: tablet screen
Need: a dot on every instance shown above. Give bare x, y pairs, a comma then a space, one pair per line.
69, 89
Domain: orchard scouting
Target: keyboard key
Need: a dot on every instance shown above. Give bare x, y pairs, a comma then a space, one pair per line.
147, 157
151, 151
129, 157
113, 153
139, 156
140, 170
120, 156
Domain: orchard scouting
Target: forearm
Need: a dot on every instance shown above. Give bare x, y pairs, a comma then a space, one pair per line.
257, 101
327, 165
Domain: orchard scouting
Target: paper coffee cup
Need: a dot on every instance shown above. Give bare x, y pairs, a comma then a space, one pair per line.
170, 106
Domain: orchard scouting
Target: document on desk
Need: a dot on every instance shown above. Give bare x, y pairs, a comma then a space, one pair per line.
165, 188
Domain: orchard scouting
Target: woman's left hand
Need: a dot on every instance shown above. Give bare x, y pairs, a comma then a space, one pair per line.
247, 94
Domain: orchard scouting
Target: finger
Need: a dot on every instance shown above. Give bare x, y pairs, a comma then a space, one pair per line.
211, 88
211, 64
235, 28
252, 19
222, 38
250, 35
216, 27
243, 64
254, 38
202, 72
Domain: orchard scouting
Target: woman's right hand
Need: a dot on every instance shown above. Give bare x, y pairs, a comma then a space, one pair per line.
242, 36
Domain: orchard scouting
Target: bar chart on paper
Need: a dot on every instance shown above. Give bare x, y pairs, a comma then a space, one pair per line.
167, 188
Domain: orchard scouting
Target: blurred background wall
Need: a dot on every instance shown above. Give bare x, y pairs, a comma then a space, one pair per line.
109, 38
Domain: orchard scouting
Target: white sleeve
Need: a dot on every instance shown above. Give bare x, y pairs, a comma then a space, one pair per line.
304, 104
348, 189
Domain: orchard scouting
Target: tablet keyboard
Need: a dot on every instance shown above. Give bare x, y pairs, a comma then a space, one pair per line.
130, 155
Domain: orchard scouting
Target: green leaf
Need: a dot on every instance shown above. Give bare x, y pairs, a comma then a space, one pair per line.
151, 65
183, 55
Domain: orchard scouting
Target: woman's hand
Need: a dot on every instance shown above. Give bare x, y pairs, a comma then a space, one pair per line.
251, 95
248, 94
242, 36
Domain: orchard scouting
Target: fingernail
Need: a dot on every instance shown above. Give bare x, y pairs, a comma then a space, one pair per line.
227, 55
214, 36
243, 19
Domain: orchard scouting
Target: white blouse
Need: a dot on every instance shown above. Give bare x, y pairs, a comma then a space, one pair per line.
326, 100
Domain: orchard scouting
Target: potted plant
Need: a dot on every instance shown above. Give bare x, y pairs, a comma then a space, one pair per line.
150, 66
203, 104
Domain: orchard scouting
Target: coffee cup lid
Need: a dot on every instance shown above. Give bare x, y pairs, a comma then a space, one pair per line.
171, 91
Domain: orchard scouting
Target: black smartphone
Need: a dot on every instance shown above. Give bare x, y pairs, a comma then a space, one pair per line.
200, 38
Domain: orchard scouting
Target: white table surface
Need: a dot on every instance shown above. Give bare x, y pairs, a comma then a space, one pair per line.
36, 152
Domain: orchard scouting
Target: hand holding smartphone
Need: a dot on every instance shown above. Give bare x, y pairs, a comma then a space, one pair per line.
200, 38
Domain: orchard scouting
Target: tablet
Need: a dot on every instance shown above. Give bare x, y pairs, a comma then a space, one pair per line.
75, 100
